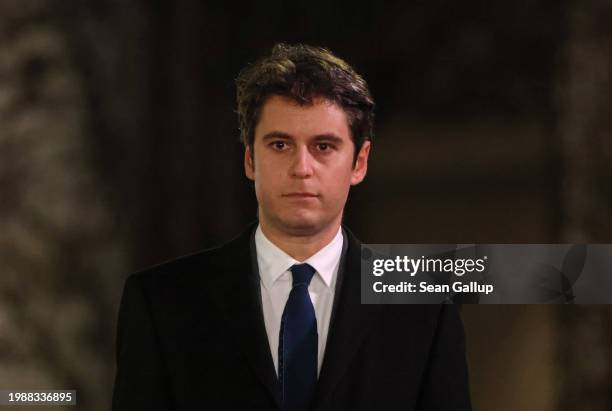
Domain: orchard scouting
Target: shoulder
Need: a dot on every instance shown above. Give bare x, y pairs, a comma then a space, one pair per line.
204, 264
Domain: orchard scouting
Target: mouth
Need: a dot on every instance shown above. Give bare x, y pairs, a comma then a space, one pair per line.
300, 194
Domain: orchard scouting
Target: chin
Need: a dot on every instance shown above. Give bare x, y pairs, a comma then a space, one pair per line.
301, 224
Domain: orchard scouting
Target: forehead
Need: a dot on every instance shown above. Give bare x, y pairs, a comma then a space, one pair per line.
285, 115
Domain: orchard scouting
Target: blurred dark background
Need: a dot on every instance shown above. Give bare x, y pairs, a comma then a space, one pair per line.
119, 149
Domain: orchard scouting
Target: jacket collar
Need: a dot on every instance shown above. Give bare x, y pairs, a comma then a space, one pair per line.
238, 295
350, 321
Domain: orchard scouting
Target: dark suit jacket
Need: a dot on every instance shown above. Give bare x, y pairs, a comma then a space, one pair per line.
191, 336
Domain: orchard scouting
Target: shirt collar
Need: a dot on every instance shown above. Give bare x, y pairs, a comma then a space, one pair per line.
274, 262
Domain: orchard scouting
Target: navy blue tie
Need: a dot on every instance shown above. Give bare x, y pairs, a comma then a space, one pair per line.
298, 343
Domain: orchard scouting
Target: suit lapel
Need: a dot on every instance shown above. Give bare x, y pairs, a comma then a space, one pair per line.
239, 296
350, 322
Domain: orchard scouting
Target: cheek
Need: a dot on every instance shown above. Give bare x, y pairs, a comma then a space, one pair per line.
342, 172
267, 180
339, 181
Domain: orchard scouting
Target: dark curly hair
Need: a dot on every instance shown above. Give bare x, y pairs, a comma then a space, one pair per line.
302, 73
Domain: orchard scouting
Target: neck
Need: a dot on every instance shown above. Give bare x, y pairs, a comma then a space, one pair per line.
303, 246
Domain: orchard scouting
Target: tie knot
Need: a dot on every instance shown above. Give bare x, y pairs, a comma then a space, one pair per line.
302, 273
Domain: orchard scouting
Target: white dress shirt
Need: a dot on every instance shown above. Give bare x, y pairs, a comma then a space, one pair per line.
277, 281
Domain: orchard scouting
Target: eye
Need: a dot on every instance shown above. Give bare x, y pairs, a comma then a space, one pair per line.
324, 147
279, 145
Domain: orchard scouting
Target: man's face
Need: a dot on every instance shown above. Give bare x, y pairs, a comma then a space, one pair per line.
302, 165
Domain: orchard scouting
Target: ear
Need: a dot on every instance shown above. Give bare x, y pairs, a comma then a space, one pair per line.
249, 164
361, 165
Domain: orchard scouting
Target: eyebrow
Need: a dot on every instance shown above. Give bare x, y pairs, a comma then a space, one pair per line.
319, 137
276, 134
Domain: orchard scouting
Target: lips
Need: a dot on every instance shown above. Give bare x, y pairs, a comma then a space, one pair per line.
300, 195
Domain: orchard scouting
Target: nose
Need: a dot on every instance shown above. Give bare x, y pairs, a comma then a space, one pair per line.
301, 165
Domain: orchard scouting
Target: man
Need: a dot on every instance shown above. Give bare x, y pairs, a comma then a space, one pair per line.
273, 320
